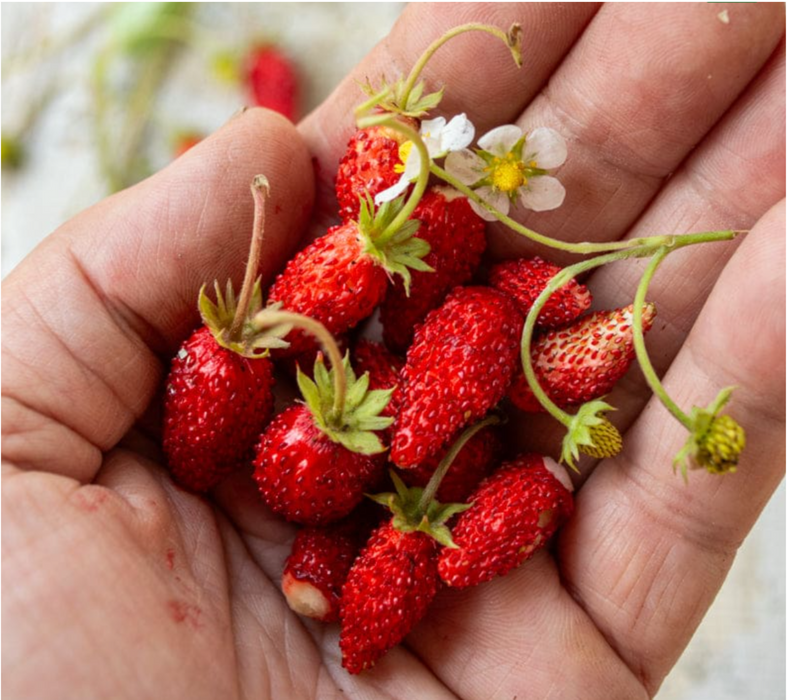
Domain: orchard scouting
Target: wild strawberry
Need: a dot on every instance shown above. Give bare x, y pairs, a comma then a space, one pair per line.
716, 439
320, 560
474, 462
460, 364
457, 239
583, 361
388, 590
373, 160
340, 278
218, 394
315, 461
391, 584
272, 80
368, 167
514, 512
524, 280
216, 402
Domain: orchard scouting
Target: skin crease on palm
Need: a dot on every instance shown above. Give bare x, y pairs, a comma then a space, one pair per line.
119, 584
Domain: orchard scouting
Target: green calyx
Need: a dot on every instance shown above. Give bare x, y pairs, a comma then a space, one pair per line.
353, 425
398, 252
395, 99
715, 441
248, 341
409, 515
591, 433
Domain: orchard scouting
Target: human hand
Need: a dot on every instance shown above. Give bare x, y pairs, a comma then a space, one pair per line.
168, 593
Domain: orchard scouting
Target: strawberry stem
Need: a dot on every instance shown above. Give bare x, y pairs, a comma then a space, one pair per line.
269, 318
260, 190
639, 342
442, 469
423, 174
646, 249
559, 280
584, 248
512, 39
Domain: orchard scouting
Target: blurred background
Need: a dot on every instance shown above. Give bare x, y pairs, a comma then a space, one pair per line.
97, 96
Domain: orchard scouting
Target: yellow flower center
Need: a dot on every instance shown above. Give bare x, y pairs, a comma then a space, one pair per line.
404, 154
508, 173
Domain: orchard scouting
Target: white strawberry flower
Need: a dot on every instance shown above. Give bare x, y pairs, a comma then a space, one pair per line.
511, 166
440, 138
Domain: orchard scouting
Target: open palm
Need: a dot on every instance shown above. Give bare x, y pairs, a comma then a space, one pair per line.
117, 583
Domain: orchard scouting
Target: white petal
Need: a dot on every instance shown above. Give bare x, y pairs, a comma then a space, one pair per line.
547, 147
499, 200
465, 166
433, 127
542, 194
392, 192
501, 139
459, 133
413, 165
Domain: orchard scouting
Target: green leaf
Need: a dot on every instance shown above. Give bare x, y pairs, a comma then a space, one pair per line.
310, 393
364, 443
375, 423
356, 392
375, 402
323, 380
441, 533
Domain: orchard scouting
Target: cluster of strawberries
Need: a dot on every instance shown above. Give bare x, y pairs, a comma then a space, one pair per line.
418, 411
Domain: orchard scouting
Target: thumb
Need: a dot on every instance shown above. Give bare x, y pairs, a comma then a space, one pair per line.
87, 315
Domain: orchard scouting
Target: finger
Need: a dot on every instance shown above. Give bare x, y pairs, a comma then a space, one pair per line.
476, 69
732, 179
520, 631
635, 95
645, 553
87, 312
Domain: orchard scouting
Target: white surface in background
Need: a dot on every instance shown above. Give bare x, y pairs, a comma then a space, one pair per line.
738, 651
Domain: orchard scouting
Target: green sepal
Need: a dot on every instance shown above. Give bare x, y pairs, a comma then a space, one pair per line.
401, 252
701, 421
218, 316
579, 430
355, 427
408, 515
392, 98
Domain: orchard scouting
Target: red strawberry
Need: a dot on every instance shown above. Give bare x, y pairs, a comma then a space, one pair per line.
306, 477
272, 81
460, 364
319, 562
514, 513
369, 166
457, 238
315, 461
216, 403
218, 394
388, 590
340, 278
524, 279
474, 462
583, 361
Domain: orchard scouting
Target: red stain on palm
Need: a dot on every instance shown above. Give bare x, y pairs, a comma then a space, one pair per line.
181, 611
170, 559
